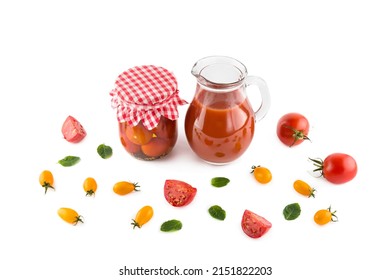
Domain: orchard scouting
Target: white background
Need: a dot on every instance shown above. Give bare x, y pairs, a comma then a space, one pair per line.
328, 60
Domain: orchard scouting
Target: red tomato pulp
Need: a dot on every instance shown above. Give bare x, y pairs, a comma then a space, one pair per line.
219, 127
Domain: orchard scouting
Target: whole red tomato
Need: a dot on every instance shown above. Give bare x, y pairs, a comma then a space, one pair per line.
156, 147
337, 168
292, 129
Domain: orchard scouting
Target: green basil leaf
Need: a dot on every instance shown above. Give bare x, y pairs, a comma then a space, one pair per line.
69, 161
217, 212
292, 211
171, 225
219, 181
104, 151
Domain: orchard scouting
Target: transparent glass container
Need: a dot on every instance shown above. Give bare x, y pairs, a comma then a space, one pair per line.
220, 121
146, 144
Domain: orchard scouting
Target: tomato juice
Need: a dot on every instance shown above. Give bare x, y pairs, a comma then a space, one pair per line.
219, 125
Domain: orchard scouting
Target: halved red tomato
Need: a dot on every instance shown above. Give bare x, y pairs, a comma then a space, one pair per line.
254, 225
72, 130
179, 193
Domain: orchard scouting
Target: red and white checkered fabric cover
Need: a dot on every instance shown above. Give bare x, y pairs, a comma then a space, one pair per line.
145, 93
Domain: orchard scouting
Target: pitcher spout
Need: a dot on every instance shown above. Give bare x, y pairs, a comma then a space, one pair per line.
196, 70
219, 70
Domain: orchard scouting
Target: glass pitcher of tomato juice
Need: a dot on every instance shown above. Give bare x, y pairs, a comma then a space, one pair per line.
220, 121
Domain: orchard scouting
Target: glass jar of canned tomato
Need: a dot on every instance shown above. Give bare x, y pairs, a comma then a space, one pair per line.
146, 100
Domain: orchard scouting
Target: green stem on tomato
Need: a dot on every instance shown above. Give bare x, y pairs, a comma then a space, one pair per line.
46, 185
297, 134
136, 186
78, 219
254, 167
319, 164
334, 217
135, 224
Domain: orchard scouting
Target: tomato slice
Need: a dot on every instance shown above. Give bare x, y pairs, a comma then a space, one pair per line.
254, 225
72, 130
178, 193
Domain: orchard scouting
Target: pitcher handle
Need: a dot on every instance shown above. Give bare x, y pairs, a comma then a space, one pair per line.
265, 96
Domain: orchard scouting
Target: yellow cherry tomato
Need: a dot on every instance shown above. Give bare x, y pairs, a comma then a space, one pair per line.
143, 216
90, 186
46, 180
324, 216
124, 187
303, 188
70, 216
139, 134
262, 174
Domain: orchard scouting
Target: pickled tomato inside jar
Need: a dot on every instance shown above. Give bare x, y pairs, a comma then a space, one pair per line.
149, 144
